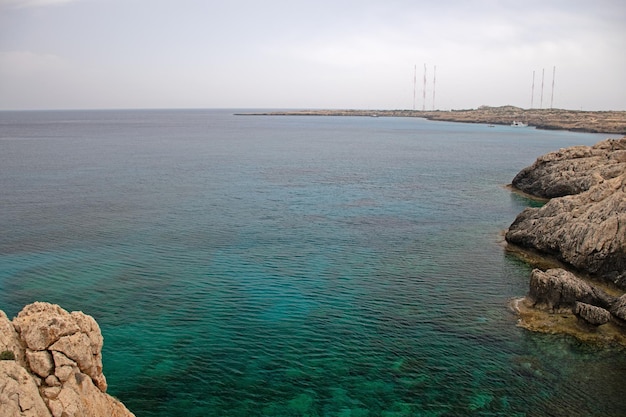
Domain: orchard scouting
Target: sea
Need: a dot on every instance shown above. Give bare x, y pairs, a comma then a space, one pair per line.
291, 265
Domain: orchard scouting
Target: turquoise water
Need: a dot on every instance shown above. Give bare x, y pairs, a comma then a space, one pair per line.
290, 266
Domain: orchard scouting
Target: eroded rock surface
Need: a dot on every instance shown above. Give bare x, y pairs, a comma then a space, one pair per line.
586, 230
618, 309
57, 369
558, 290
573, 170
19, 394
560, 302
592, 314
584, 227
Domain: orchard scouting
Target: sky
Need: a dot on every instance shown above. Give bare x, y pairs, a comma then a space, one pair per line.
291, 54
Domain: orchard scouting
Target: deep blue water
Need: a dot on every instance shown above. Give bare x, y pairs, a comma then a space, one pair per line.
290, 266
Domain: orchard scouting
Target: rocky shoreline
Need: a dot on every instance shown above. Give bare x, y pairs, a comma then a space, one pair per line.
583, 228
51, 365
553, 119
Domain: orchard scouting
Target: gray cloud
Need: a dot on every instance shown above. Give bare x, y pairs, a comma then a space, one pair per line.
278, 53
18, 4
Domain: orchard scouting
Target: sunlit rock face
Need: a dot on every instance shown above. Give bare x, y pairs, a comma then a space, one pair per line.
57, 365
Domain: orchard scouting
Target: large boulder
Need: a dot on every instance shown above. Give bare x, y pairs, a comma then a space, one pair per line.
573, 170
58, 365
559, 290
48, 328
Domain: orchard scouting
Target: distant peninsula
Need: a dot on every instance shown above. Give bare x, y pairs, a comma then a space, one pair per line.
553, 119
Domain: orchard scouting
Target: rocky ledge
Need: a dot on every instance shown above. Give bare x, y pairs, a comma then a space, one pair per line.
51, 365
583, 228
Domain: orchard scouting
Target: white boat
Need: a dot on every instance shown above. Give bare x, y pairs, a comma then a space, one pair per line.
519, 124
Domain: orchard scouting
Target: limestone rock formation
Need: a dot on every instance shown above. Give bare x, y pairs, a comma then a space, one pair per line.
584, 227
57, 369
586, 230
559, 290
19, 394
618, 308
573, 170
9, 339
592, 314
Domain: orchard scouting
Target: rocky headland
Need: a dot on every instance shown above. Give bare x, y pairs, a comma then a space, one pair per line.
554, 119
582, 230
51, 365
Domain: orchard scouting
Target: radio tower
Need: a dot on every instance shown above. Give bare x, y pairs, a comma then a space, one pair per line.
552, 94
543, 70
532, 91
434, 83
424, 91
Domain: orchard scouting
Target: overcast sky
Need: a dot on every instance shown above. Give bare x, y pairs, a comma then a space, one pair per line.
68, 54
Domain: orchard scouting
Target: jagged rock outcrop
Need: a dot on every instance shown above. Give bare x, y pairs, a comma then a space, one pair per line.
57, 369
584, 227
586, 230
559, 290
573, 170
593, 315
19, 394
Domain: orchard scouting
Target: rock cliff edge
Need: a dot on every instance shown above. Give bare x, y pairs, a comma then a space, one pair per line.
52, 365
583, 226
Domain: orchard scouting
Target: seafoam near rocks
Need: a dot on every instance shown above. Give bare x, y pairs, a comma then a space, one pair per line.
57, 369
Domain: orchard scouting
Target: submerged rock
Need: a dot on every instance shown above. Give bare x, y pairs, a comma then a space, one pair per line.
58, 366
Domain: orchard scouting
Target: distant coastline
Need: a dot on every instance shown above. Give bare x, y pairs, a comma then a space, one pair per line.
613, 122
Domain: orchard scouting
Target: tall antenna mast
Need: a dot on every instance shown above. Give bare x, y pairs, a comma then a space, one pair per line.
414, 83
552, 94
434, 84
543, 70
424, 91
532, 91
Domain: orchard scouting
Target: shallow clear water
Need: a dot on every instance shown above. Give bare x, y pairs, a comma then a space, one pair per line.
290, 266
